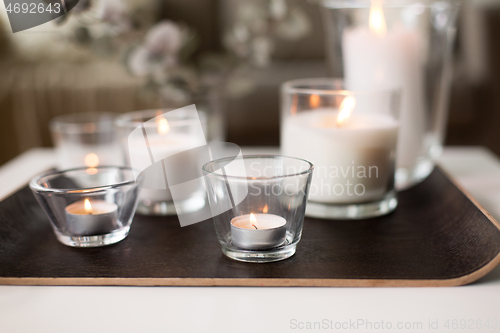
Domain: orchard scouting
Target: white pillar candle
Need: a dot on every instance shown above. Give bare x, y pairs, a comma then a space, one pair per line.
91, 217
258, 231
353, 161
375, 58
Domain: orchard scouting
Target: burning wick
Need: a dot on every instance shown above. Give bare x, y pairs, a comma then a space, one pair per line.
253, 220
88, 207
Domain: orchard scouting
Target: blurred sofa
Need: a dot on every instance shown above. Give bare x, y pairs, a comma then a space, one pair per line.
34, 89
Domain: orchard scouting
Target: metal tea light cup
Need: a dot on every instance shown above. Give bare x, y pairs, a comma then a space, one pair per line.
255, 237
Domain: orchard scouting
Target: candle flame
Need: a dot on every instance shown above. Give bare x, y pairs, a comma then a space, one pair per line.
345, 108
265, 209
91, 160
253, 220
378, 26
87, 206
163, 127
314, 101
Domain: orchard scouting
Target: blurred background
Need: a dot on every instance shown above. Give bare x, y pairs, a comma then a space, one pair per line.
227, 56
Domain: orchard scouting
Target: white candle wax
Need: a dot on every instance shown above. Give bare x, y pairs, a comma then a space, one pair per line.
258, 231
353, 163
391, 60
91, 217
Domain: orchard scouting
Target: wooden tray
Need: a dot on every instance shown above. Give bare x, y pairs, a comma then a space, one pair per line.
438, 236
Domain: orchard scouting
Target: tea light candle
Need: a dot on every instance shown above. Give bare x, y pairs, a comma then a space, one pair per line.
258, 231
94, 217
354, 155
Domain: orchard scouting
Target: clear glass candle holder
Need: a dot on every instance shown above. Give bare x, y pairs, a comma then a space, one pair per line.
398, 44
351, 138
258, 204
168, 132
88, 209
86, 139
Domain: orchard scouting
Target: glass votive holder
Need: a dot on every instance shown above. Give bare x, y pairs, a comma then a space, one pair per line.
258, 204
402, 44
86, 139
88, 209
165, 133
351, 138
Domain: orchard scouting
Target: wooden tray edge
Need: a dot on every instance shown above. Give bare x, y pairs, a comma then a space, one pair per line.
470, 197
252, 282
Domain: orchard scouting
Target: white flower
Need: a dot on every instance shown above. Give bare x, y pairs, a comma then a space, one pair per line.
278, 9
295, 26
138, 61
113, 11
164, 38
262, 48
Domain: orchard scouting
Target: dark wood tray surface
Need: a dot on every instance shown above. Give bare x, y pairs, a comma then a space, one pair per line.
436, 237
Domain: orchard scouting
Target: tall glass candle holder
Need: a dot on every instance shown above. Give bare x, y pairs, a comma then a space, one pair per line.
168, 133
398, 44
351, 138
86, 139
88, 209
258, 204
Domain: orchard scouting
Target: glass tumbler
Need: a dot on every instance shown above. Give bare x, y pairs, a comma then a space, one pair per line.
88, 209
398, 44
164, 133
258, 204
351, 137
85, 139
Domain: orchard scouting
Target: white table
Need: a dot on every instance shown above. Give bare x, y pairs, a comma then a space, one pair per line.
217, 309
